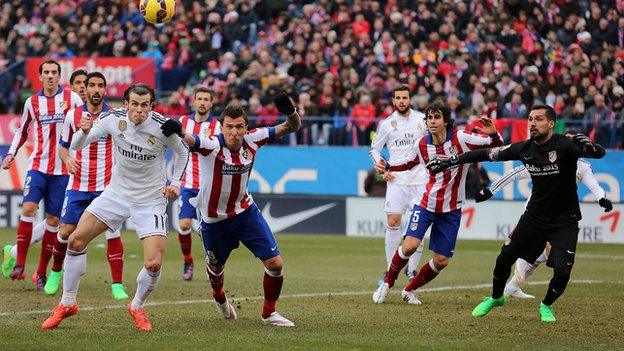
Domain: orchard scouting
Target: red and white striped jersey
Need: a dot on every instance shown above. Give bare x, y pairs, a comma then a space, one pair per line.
47, 115
225, 174
207, 128
445, 191
95, 162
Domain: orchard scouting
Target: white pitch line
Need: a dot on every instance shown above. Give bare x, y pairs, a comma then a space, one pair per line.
295, 296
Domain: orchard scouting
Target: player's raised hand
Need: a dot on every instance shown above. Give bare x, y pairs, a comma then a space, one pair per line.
172, 126
380, 166
606, 204
584, 142
283, 104
86, 123
488, 126
171, 192
483, 195
8, 160
71, 164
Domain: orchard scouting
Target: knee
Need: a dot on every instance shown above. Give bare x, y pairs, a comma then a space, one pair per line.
394, 221
76, 243
440, 262
215, 269
29, 209
153, 265
52, 221
274, 264
562, 270
185, 225
65, 231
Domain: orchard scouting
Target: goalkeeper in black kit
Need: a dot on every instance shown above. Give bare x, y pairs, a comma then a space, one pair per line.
553, 212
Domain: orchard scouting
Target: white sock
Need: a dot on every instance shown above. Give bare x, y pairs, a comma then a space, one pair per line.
75, 265
512, 284
146, 282
412, 264
542, 258
393, 241
37, 236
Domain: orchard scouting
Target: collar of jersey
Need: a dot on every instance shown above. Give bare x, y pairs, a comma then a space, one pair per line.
449, 135
41, 93
105, 108
221, 139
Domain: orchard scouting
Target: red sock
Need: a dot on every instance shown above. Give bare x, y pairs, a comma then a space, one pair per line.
24, 234
115, 253
58, 255
47, 243
272, 288
396, 266
216, 281
185, 245
424, 276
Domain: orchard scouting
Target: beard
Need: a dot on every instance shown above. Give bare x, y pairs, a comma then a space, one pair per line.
402, 111
95, 99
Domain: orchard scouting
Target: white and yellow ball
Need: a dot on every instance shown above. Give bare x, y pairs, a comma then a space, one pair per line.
157, 11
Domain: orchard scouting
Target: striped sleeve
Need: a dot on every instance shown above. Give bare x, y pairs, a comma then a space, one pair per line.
21, 134
515, 174
68, 129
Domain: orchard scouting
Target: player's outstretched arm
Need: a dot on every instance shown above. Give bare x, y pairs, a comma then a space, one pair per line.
589, 148
504, 153
293, 119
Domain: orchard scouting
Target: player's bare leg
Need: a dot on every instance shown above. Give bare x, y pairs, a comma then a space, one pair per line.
185, 239
153, 248
399, 261
24, 234
272, 284
216, 278
75, 266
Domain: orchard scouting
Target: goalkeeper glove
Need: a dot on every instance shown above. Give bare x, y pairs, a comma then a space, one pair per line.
438, 164
584, 142
606, 204
283, 104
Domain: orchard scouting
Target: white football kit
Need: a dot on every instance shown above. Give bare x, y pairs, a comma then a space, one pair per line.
139, 178
399, 134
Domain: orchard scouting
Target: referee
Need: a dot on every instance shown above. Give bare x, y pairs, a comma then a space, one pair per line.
553, 212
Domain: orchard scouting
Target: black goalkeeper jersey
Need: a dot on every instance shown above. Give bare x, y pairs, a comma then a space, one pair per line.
552, 166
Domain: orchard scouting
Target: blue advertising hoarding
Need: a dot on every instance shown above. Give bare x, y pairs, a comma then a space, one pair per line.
341, 170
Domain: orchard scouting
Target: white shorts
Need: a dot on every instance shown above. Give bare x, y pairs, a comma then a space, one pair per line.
398, 197
148, 218
112, 234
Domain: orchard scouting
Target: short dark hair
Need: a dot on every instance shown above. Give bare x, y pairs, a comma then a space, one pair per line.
139, 89
233, 111
551, 115
402, 87
76, 73
204, 90
53, 62
440, 106
95, 74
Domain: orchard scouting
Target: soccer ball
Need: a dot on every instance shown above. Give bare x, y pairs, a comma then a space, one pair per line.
157, 11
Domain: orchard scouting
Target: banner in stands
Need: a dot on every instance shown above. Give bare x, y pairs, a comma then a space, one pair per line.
491, 220
120, 72
341, 171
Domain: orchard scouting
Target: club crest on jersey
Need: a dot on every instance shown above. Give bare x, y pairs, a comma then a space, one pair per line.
393, 124
453, 150
151, 140
61, 104
552, 156
123, 125
245, 154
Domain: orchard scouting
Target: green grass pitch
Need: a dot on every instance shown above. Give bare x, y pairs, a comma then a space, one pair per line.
327, 292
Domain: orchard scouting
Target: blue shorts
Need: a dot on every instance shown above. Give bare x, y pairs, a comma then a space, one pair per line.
75, 204
249, 227
443, 233
186, 209
51, 188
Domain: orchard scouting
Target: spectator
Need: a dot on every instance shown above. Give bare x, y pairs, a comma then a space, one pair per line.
515, 108
362, 118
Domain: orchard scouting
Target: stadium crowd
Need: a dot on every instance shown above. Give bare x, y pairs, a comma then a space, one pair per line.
341, 59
